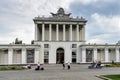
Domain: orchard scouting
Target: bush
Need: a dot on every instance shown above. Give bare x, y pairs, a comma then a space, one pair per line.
2, 68
113, 65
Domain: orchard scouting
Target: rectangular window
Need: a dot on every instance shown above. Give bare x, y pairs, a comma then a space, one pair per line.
46, 45
74, 45
73, 57
46, 56
30, 55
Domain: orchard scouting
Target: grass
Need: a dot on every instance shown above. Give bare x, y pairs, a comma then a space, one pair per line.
113, 77
5, 68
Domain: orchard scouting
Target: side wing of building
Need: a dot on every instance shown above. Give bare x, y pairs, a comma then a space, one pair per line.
19, 54
106, 53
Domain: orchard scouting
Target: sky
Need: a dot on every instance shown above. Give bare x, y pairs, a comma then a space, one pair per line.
103, 26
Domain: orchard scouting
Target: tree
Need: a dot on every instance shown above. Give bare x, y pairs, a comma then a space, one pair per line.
18, 41
32, 42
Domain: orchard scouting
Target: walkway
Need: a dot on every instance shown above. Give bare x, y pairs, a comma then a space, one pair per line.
55, 72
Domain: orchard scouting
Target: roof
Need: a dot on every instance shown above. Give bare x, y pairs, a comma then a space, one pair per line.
60, 16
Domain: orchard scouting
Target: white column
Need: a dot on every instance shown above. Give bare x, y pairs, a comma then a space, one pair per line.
70, 32
80, 34
95, 54
50, 28
117, 54
83, 33
106, 55
64, 36
36, 32
43, 32
57, 32
83, 55
37, 55
23, 56
77, 32
10, 55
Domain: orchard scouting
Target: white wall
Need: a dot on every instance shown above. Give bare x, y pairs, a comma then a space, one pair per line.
53, 46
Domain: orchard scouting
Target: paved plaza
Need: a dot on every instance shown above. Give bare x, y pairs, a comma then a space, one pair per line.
55, 72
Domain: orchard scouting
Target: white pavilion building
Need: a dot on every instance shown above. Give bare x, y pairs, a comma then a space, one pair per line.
59, 38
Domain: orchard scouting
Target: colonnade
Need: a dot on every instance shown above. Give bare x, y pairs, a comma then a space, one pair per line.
106, 53
9, 57
74, 35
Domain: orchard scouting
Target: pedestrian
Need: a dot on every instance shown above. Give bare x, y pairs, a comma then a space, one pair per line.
63, 65
38, 66
29, 66
68, 65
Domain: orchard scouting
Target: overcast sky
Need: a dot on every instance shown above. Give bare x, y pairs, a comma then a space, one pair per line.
16, 18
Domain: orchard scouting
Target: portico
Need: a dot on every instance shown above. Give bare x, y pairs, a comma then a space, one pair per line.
60, 30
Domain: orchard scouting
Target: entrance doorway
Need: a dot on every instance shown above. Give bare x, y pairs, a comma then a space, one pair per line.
59, 55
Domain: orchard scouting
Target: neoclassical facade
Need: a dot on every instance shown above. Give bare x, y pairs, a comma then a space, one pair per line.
59, 38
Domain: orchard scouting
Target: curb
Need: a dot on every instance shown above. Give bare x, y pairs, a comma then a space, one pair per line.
101, 77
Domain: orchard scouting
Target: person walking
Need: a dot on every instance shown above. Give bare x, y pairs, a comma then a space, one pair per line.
38, 66
63, 65
68, 65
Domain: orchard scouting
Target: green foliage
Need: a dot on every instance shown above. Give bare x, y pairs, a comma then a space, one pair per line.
113, 77
3, 68
113, 65
18, 41
32, 42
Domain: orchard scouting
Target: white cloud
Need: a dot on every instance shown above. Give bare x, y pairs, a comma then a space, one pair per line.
85, 2
104, 29
106, 23
18, 14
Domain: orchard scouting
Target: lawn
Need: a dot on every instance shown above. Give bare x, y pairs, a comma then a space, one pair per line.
113, 77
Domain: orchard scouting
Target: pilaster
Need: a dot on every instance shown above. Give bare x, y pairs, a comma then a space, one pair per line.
83, 55
23, 55
117, 54
10, 55
106, 55
37, 55
95, 53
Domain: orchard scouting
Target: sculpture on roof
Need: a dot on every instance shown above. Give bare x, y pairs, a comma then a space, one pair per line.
60, 13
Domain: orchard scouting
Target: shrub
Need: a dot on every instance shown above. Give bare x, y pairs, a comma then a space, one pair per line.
11, 68
113, 65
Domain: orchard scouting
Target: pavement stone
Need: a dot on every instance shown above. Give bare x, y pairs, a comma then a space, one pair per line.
56, 72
